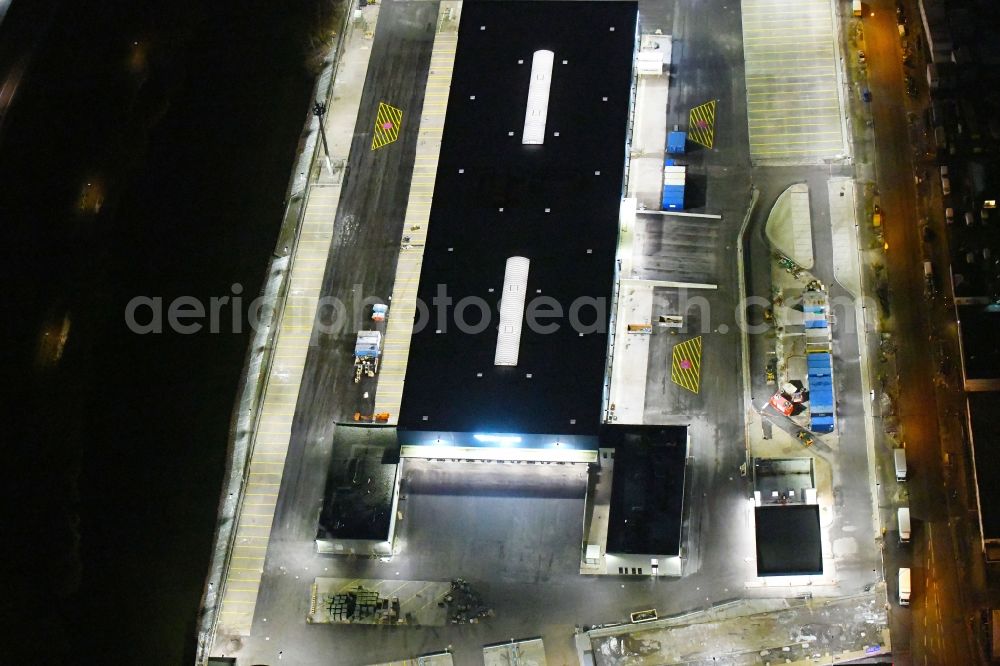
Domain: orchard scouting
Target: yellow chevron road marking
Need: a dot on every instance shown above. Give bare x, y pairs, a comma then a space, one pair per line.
387, 123
685, 364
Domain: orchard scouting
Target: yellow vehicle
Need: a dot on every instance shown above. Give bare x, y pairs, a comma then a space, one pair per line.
877, 217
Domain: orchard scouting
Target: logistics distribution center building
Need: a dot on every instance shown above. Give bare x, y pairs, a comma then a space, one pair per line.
523, 224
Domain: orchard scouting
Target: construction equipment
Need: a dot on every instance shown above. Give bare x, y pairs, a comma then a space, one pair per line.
367, 351
380, 417
643, 616
792, 392
782, 404
806, 438
790, 266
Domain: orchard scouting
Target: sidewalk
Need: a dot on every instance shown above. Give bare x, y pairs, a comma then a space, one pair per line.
244, 569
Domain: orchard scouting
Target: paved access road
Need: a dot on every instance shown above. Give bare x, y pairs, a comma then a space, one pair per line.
937, 618
361, 263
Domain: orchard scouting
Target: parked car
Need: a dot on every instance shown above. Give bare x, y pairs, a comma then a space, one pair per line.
945, 181
949, 215
970, 219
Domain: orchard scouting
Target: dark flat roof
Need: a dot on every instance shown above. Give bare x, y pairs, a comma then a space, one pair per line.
788, 540
358, 499
983, 410
647, 491
571, 248
980, 330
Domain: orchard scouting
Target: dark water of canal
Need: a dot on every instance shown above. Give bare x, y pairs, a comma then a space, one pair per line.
145, 149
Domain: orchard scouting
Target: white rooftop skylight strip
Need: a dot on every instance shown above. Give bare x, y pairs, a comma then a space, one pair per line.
538, 98
515, 286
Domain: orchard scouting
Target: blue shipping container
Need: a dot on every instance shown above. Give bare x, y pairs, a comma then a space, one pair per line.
822, 424
676, 142
673, 197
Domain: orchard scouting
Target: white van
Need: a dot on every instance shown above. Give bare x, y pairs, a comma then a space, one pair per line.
899, 458
903, 517
904, 587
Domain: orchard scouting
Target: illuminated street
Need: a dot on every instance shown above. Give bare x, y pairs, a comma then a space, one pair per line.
938, 624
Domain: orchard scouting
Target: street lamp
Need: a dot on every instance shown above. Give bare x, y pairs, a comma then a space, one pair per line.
319, 110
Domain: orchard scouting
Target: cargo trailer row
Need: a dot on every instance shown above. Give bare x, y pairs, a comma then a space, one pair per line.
821, 402
674, 180
674, 175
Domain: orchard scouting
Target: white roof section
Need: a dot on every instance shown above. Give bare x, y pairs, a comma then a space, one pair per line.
650, 62
515, 287
538, 98
526, 652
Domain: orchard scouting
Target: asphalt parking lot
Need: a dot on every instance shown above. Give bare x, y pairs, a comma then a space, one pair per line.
793, 99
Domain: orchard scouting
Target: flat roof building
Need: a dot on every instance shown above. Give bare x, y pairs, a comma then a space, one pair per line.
359, 507
786, 517
508, 354
985, 436
647, 494
788, 540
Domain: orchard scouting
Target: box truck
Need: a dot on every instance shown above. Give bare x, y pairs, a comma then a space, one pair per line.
899, 458
904, 587
903, 516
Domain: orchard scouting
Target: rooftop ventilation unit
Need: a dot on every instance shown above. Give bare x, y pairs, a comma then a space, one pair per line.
538, 98
515, 287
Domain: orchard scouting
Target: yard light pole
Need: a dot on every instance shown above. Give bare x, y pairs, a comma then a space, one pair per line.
319, 110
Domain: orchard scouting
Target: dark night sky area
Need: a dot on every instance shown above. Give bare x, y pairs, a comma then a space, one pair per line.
115, 451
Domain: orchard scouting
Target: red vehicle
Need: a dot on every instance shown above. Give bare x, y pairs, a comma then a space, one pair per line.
781, 403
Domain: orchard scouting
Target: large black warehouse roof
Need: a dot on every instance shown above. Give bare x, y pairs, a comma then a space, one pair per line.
556, 204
